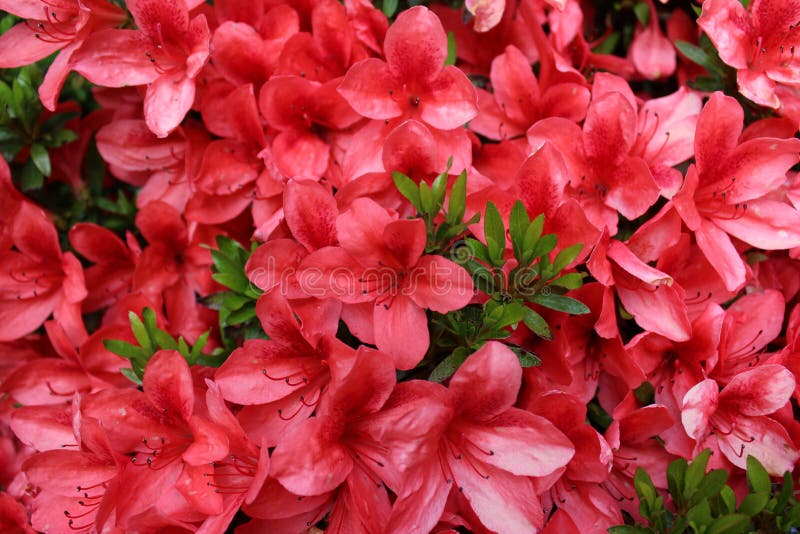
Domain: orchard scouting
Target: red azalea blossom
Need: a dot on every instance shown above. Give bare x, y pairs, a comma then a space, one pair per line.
296, 266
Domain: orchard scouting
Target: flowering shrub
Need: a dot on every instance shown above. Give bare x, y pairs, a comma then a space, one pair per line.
487, 266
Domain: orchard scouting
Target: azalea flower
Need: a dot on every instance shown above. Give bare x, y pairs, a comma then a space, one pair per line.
385, 280
736, 422
166, 53
727, 192
759, 42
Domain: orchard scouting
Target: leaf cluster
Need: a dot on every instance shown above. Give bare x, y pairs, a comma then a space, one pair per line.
442, 225
237, 306
22, 128
151, 339
703, 503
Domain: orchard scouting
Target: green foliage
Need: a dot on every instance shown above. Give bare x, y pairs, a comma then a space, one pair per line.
534, 279
24, 125
429, 201
702, 502
451, 49
29, 133
237, 306
151, 339
389, 7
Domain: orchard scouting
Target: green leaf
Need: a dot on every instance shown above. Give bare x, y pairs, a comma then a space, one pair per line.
389, 7
729, 524
197, 348
565, 257
696, 470
676, 473
6, 134
210, 361
753, 503
140, 333
449, 365
644, 486
694, 53
532, 235
183, 348
457, 204
568, 281
62, 137
242, 315
234, 281
224, 262
710, 486
481, 277
627, 529
164, 340
131, 375
149, 319
31, 177
438, 189
645, 394
544, 245
561, 303
642, 11
608, 44
705, 83
495, 233
56, 122
728, 498
501, 315
124, 349
700, 514
525, 357
786, 493
537, 324
757, 477
517, 225
408, 189
477, 249
426, 198
451, 49
41, 159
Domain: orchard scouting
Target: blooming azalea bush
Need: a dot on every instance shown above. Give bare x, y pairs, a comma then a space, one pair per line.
482, 266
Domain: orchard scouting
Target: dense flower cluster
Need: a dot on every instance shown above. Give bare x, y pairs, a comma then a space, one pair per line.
499, 264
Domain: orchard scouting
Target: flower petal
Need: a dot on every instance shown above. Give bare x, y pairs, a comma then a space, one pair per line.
488, 382
415, 45
401, 330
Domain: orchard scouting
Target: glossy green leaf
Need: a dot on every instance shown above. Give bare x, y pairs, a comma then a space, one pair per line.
729, 524
495, 233
449, 365
566, 256
41, 159
131, 375
709, 486
457, 204
389, 7
642, 11
408, 189
31, 177
753, 503
537, 324
140, 333
757, 477
696, 470
124, 349
451, 49
526, 358
561, 303
568, 281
